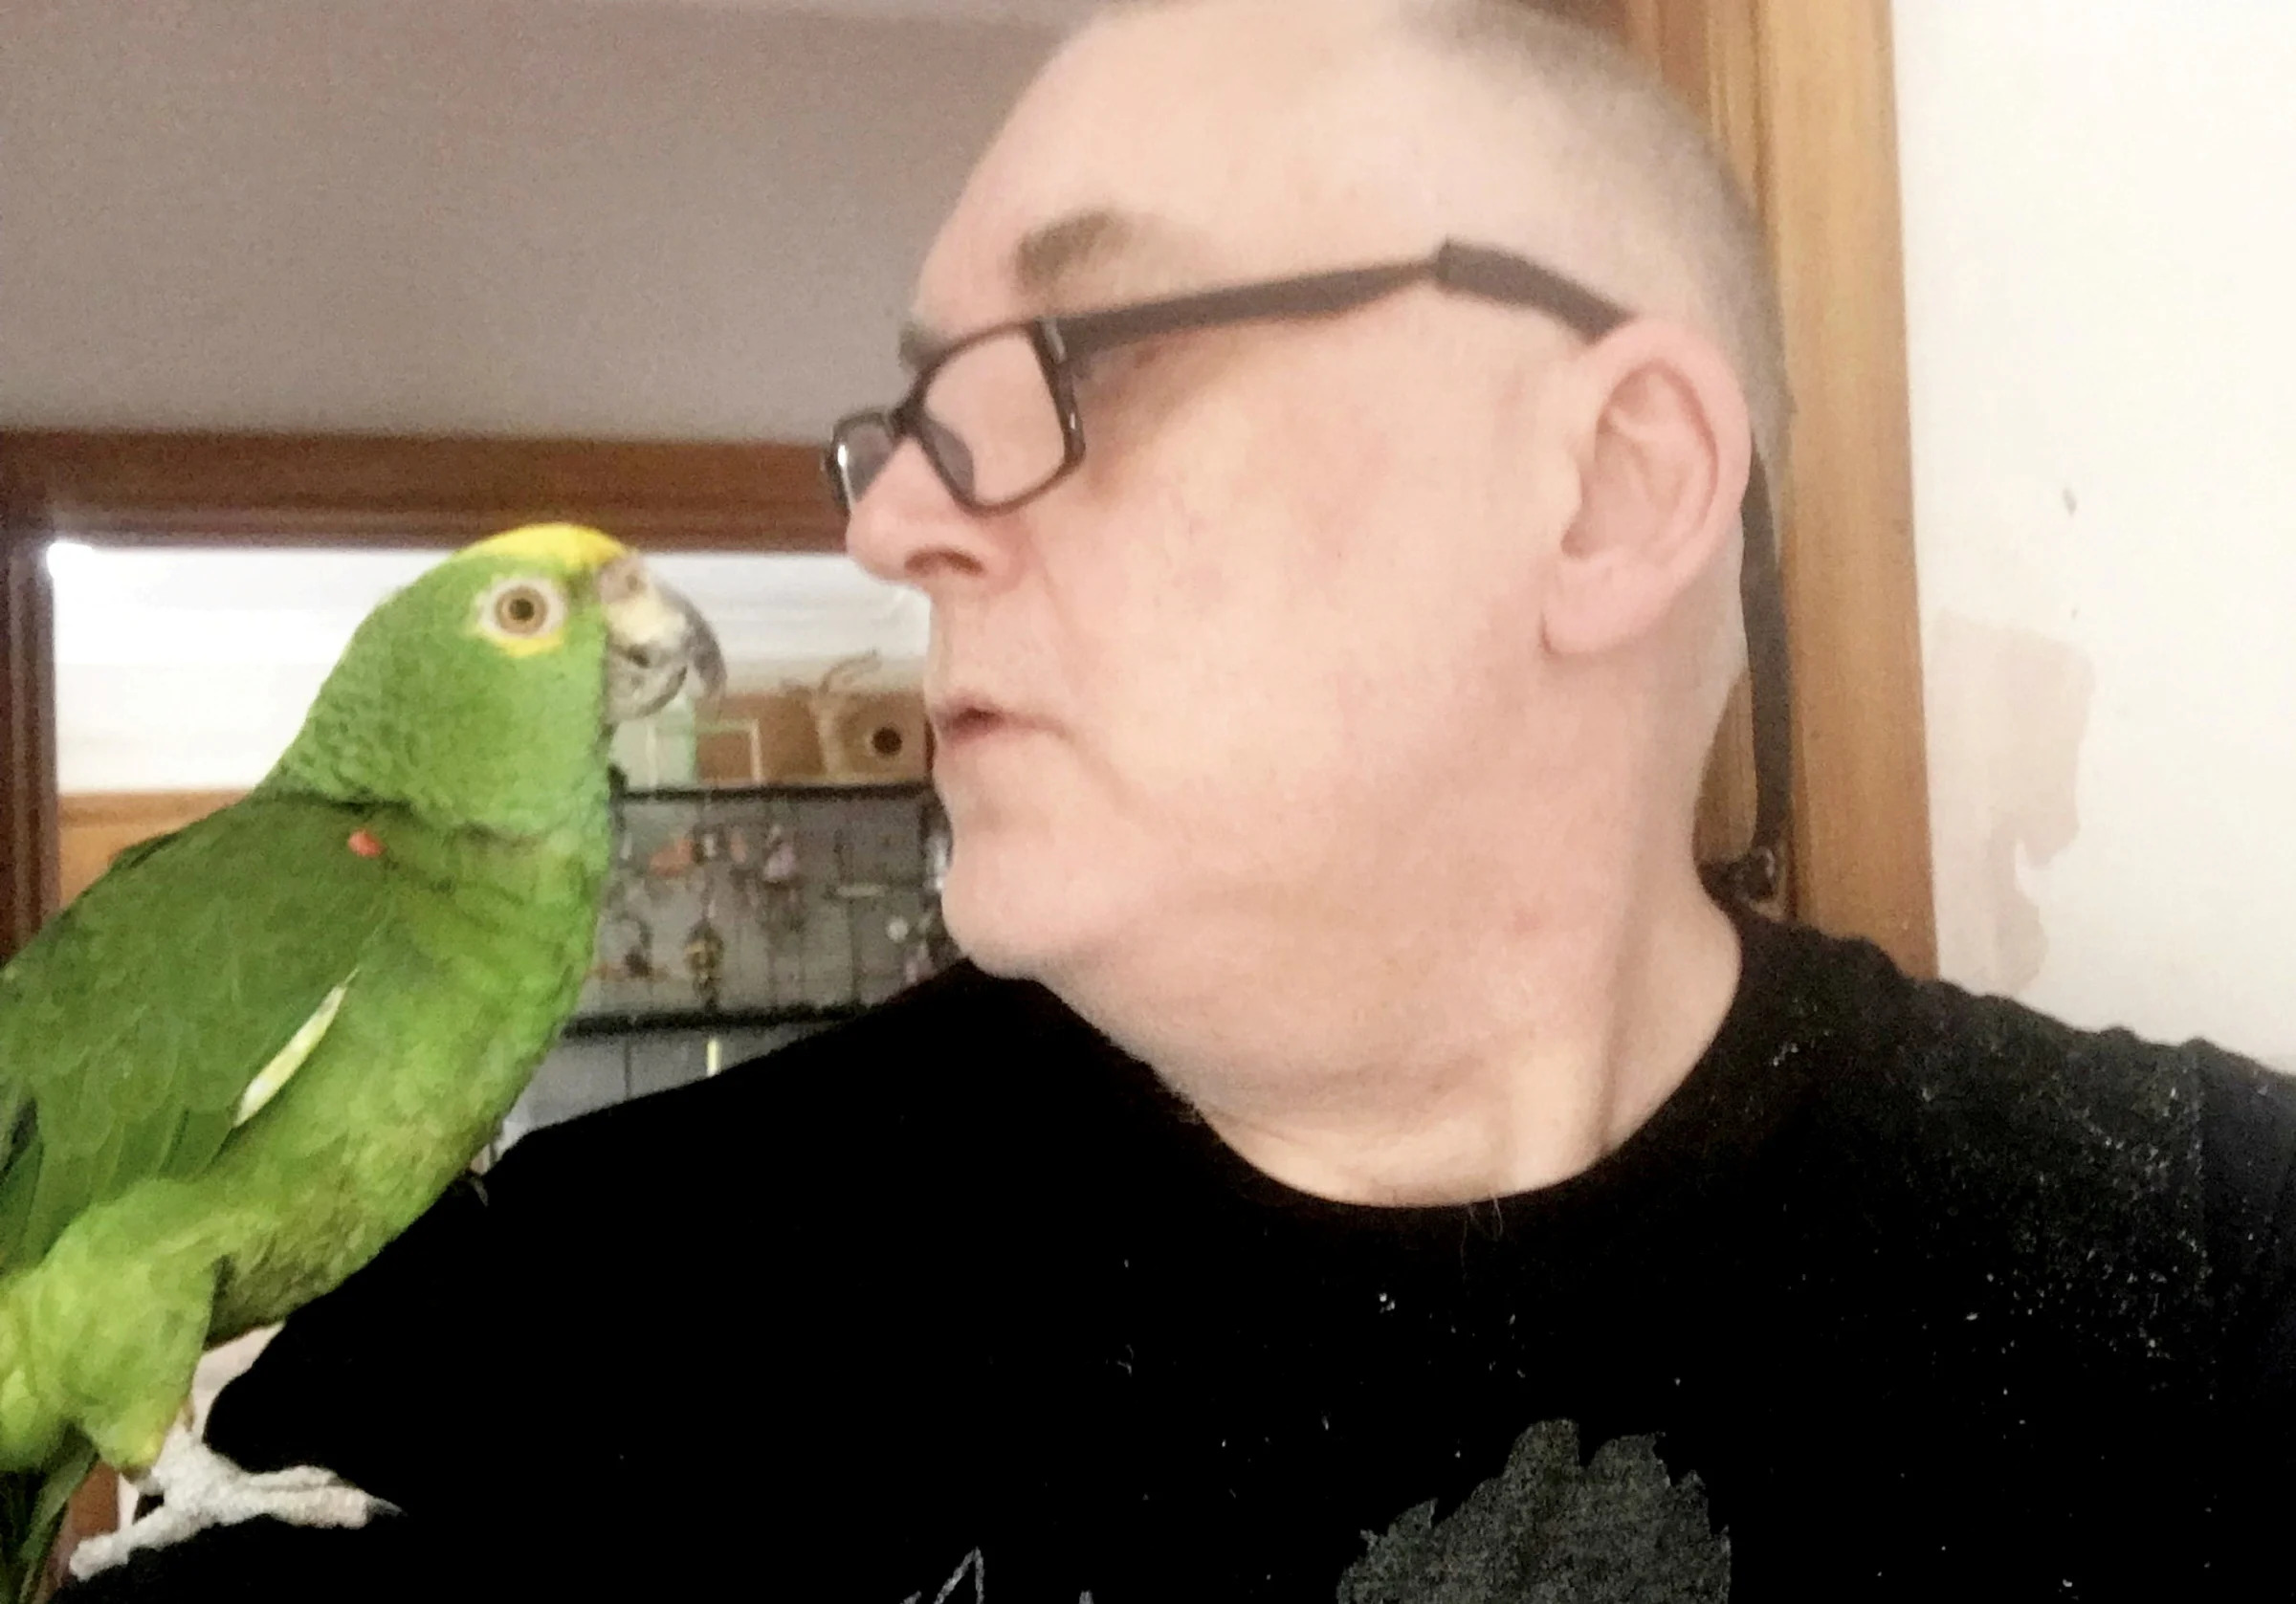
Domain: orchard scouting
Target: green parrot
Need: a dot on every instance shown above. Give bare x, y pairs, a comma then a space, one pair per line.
257, 1049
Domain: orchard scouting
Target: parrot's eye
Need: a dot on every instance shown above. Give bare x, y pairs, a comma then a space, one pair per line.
523, 609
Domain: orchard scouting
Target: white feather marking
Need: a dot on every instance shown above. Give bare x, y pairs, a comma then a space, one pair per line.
289, 1058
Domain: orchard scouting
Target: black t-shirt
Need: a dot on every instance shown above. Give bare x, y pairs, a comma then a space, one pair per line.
1903, 1294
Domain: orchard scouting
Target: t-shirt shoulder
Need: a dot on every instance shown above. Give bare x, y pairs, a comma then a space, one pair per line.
955, 1063
1897, 1047
2155, 1178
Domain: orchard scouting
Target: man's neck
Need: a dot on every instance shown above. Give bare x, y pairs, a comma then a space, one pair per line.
1449, 1060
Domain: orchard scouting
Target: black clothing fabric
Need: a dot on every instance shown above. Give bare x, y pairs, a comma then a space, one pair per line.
1903, 1294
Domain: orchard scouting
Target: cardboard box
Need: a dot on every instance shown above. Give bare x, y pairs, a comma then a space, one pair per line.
757, 739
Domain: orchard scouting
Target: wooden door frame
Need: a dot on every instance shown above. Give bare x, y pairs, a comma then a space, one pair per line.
304, 489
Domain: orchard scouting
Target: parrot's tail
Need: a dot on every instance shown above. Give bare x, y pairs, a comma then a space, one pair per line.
31, 1512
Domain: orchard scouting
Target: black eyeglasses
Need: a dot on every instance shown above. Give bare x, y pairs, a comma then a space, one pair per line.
996, 412
996, 416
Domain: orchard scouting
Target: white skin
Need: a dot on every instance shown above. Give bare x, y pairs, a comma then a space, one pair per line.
1356, 688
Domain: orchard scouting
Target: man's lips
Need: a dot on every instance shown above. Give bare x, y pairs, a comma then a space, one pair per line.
962, 721
966, 724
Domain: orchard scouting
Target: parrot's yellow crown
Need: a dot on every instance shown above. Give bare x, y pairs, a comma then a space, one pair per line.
572, 546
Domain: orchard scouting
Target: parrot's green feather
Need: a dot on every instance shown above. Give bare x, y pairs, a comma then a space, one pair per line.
257, 1048
124, 1035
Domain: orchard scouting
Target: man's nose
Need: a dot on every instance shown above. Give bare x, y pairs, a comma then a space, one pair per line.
909, 530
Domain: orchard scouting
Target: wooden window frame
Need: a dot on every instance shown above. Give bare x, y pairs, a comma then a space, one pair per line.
320, 490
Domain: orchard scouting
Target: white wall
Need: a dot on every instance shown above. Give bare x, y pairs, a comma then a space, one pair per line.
2100, 204
505, 216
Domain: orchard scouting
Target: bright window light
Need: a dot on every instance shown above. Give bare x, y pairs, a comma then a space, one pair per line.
66, 558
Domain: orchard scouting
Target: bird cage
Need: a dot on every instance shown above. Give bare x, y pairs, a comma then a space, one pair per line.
766, 904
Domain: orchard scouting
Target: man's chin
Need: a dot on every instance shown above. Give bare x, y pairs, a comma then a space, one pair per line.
1018, 926
997, 942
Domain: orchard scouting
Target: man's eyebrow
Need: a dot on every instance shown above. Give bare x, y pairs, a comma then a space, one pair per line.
919, 343
1052, 255
1048, 260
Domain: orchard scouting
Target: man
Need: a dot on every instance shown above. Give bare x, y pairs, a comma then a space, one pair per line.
1383, 1172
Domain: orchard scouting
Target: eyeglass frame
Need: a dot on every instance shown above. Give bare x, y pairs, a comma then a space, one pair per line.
1484, 272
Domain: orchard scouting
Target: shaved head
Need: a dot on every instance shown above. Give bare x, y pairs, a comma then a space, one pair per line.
1621, 148
1636, 199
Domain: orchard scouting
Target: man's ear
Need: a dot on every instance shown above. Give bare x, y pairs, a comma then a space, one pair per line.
1663, 446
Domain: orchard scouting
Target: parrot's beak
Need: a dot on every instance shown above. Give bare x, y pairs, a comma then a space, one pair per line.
656, 640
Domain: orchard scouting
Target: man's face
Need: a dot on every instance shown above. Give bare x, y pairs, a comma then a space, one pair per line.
1241, 660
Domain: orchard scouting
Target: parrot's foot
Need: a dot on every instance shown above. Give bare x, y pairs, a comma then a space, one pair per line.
202, 1490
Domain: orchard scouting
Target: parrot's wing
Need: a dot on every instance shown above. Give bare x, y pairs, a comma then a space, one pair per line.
173, 999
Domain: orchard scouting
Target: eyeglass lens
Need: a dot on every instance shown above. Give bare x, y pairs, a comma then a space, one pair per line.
988, 420
861, 448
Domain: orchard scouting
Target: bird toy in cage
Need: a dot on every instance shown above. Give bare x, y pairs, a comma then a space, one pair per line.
624, 939
705, 956
921, 942
782, 890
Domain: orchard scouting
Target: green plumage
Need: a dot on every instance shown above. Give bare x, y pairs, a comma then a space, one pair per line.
428, 857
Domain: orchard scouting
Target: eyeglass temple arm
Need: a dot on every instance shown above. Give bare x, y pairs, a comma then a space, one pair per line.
1471, 269
1322, 295
1761, 874
1501, 275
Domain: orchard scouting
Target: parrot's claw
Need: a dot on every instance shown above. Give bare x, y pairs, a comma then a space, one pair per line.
202, 1490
